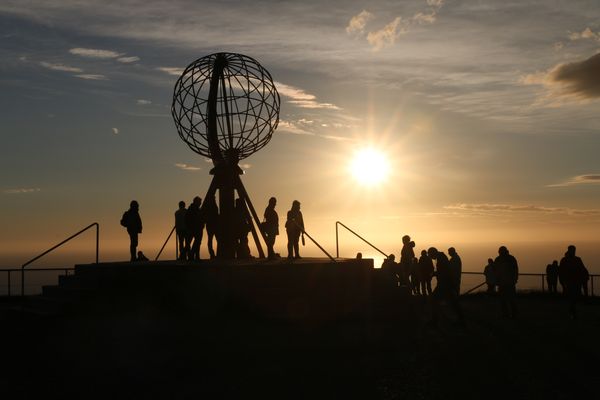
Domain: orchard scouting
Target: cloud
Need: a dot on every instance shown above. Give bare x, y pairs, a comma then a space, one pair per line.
387, 35
187, 167
290, 127
578, 80
590, 179
115, 131
171, 70
143, 102
92, 77
302, 99
435, 3
422, 18
60, 67
94, 53
358, 22
587, 33
21, 190
127, 60
491, 209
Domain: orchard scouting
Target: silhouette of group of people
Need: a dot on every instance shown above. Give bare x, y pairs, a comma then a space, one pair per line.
573, 277
190, 223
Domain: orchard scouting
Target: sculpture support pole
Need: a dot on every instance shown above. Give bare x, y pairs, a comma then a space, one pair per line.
244, 195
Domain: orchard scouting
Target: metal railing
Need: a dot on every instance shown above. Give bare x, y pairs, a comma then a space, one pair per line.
313, 240
16, 270
167, 241
337, 247
58, 245
542, 277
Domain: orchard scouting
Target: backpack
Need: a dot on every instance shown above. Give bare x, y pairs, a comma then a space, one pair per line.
124, 219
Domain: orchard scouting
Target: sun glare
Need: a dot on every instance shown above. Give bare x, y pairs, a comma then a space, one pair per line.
369, 167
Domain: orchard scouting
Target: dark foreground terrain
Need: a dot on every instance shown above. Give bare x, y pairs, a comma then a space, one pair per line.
139, 352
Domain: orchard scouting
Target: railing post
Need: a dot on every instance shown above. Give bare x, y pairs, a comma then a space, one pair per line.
8, 283
177, 246
337, 246
22, 282
592, 281
97, 241
543, 288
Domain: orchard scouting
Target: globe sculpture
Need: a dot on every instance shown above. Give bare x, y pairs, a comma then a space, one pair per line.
226, 107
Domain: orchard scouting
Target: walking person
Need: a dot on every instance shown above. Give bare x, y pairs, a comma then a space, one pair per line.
294, 227
133, 222
194, 225
181, 231
507, 270
270, 227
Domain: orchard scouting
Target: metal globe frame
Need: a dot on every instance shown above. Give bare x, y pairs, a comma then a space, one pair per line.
226, 107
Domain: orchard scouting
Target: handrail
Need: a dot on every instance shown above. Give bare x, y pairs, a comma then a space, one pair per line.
58, 245
314, 241
337, 247
9, 270
163, 246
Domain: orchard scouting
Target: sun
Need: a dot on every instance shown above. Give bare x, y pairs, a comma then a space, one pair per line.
369, 167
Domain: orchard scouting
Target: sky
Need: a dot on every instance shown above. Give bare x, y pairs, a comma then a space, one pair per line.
485, 111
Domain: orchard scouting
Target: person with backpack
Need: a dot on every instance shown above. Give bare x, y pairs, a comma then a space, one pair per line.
133, 222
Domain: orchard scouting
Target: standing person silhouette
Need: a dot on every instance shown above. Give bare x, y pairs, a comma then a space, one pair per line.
210, 211
181, 231
574, 276
294, 227
507, 273
456, 268
407, 254
425, 273
490, 276
445, 289
271, 227
133, 222
243, 227
194, 224
552, 276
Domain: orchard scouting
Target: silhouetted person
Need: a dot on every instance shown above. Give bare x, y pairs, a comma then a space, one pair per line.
489, 271
141, 256
181, 231
390, 268
425, 272
270, 226
574, 276
507, 273
445, 289
210, 211
407, 254
194, 224
242, 227
359, 256
133, 222
294, 227
456, 268
552, 276
415, 283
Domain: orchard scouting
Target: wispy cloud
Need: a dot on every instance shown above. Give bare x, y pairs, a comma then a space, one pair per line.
143, 102
358, 22
94, 53
92, 77
302, 99
175, 71
587, 33
187, 167
115, 131
491, 209
578, 80
128, 60
21, 190
60, 67
389, 34
290, 127
589, 179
